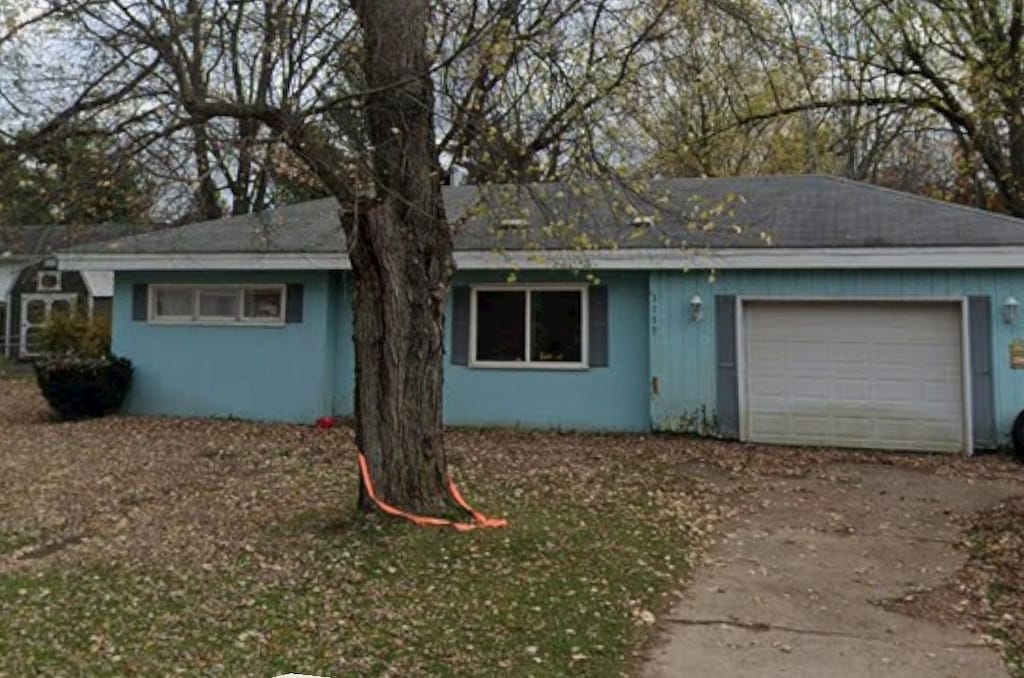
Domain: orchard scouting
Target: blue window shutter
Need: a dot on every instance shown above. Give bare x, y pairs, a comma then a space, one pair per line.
597, 316
293, 303
140, 301
460, 325
979, 324
727, 400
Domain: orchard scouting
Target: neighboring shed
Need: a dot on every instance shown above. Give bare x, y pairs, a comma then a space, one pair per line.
31, 287
806, 310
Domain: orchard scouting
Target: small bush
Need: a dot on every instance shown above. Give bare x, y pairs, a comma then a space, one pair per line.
76, 334
78, 386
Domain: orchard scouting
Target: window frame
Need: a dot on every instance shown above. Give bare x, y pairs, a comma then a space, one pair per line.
527, 363
217, 292
195, 289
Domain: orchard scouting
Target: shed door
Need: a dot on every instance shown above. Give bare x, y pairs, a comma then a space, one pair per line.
854, 374
36, 309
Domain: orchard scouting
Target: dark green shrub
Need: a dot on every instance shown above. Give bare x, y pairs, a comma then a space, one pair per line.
76, 334
78, 387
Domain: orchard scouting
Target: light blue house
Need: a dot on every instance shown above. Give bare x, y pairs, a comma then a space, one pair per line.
806, 310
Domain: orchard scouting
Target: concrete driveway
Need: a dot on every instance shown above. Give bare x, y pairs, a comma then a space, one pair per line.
792, 588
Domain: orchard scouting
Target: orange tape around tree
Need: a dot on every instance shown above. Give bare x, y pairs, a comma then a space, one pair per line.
479, 519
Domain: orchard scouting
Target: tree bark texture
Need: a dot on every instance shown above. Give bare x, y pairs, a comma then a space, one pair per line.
400, 247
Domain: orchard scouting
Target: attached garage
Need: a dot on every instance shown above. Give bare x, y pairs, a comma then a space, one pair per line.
863, 374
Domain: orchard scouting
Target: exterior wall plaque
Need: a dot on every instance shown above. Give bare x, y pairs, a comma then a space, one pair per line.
1017, 354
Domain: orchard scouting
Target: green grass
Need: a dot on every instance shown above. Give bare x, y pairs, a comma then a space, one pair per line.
330, 593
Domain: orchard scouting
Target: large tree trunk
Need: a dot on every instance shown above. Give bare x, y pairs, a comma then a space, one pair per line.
400, 246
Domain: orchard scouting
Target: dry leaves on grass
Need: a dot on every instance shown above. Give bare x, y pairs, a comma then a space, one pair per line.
232, 547
225, 546
132, 490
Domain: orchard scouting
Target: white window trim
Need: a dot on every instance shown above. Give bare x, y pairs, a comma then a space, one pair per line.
195, 319
527, 364
218, 290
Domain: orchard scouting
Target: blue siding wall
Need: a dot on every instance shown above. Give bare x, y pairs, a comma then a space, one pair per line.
612, 398
683, 352
301, 371
305, 370
269, 373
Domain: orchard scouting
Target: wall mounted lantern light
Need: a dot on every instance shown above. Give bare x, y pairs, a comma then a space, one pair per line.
696, 309
1010, 307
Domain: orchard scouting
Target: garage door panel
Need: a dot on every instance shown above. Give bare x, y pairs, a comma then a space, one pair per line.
857, 374
853, 427
810, 388
939, 435
895, 391
938, 355
930, 432
810, 353
773, 352
896, 355
770, 424
938, 392
768, 386
848, 371
849, 355
855, 390
808, 425
915, 356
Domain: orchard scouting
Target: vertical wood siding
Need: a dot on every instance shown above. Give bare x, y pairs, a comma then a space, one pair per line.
682, 352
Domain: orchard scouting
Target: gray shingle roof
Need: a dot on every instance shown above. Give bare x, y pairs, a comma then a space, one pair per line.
41, 240
744, 212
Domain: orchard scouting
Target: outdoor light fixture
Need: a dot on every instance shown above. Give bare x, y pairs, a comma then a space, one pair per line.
696, 309
1010, 310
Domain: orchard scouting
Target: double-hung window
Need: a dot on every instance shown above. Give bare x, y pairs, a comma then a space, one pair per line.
540, 326
217, 304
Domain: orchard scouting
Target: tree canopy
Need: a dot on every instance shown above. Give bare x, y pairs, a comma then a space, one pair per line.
81, 178
923, 96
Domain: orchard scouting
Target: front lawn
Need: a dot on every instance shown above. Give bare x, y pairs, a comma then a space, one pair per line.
149, 547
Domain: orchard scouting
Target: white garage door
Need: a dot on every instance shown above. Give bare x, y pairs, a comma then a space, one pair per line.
854, 374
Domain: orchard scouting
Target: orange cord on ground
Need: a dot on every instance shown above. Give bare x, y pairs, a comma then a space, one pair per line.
479, 519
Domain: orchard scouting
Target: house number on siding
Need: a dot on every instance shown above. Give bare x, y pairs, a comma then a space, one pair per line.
654, 313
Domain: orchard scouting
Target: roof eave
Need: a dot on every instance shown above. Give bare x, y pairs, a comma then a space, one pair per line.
985, 257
